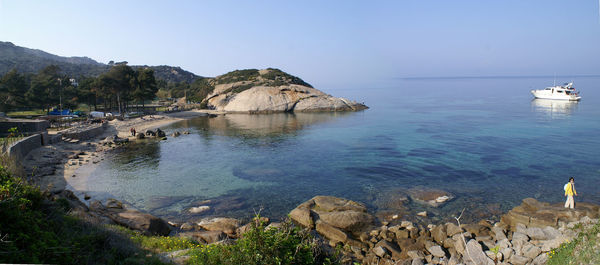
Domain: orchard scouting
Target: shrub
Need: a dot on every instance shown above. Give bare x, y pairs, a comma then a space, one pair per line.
285, 245
36, 230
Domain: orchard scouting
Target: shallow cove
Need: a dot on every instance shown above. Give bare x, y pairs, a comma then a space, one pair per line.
484, 140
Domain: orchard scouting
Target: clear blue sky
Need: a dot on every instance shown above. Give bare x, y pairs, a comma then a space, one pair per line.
331, 44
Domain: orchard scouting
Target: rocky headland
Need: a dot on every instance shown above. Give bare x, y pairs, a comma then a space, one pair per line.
271, 90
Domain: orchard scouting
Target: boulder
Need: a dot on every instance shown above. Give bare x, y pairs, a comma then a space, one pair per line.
536, 233
452, 229
391, 248
187, 226
176, 134
160, 133
498, 233
114, 204
474, 254
530, 251
347, 215
143, 222
208, 237
417, 261
330, 232
540, 260
150, 133
347, 220
518, 260
132, 219
227, 225
436, 251
302, 214
439, 234
533, 213
379, 251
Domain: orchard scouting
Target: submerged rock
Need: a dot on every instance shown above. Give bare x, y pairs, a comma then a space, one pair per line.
429, 196
199, 209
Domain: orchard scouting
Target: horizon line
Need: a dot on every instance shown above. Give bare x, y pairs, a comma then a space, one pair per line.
496, 76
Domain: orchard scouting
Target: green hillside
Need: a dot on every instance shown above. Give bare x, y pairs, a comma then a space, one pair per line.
26, 60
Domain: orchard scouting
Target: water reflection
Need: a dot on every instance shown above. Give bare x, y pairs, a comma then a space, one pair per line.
554, 108
258, 125
138, 154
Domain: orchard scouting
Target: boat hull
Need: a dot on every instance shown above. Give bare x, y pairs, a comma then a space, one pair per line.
543, 94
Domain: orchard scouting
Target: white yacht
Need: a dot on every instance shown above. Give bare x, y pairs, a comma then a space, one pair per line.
564, 92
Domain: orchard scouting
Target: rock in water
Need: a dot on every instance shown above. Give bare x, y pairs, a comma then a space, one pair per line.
429, 196
160, 133
262, 93
199, 209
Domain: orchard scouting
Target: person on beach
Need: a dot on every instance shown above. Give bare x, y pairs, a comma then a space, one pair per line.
569, 192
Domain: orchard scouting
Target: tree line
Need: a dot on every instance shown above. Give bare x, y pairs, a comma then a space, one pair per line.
116, 89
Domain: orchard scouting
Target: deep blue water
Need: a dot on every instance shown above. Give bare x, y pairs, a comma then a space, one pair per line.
484, 140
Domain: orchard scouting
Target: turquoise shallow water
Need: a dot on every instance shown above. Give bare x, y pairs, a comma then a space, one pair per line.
484, 140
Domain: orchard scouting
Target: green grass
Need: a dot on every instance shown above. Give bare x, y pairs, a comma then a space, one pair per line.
584, 249
156, 244
35, 112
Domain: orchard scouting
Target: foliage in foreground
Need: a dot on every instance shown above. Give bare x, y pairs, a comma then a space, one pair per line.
584, 249
35, 230
285, 245
156, 244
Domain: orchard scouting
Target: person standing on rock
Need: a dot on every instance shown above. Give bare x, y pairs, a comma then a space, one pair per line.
569, 192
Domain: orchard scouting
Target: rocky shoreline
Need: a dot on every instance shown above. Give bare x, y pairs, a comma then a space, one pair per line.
524, 235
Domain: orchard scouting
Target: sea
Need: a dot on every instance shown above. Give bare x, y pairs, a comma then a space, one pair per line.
484, 140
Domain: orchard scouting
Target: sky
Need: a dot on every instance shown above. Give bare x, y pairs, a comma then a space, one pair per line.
330, 44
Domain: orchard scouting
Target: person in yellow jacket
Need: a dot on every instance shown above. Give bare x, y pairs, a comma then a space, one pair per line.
569, 192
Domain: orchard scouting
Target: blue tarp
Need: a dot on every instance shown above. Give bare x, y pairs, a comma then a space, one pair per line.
58, 112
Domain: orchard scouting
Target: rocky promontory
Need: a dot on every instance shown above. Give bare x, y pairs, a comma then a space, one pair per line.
524, 236
271, 90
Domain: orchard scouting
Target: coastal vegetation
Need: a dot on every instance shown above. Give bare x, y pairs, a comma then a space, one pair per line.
37, 229
584, 249
116, 89
264, 245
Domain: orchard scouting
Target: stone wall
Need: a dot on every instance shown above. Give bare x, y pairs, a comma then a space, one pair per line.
51, 138
86, 133
20, 149
23, 125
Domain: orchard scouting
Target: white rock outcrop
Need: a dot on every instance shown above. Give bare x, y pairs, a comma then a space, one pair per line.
285, 98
